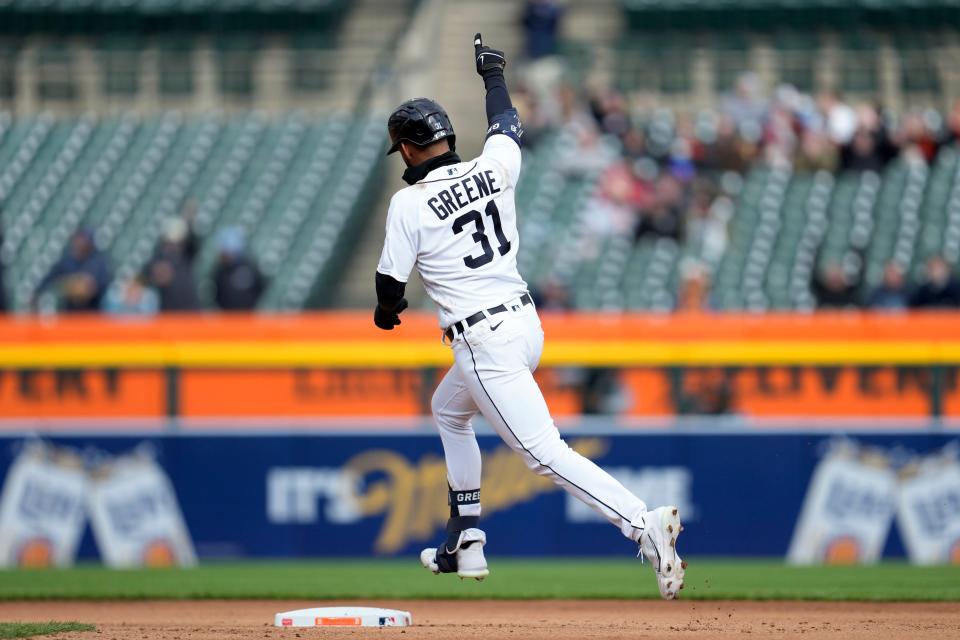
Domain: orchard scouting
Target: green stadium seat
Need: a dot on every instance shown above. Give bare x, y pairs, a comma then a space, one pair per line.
281, 181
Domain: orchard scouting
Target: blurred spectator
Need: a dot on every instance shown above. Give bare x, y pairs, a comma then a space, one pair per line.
609, 109
940, 289
816, 152
951, 134
588, 153
619, 194
191, 245
237, 279
552, 295
694, 294
678, 175
662, 217
170, 271
533, 116
706, 225
862, 154
746, 106
840, 118
729, 150
833, 289
541, 21
780, 136
891, 295
131, 297
81, 276
917, 141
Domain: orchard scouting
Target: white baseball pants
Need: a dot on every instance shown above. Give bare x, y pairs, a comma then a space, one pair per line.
493, 374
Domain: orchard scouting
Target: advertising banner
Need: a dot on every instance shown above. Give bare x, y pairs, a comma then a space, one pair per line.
67, 393
848, 508
50, 490
759, 392
42, 508
384, 494
928, 508
135, 516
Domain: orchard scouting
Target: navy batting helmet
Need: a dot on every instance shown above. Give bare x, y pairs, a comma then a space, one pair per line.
420, 121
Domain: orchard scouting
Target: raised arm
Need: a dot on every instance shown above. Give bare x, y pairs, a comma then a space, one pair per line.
501, 116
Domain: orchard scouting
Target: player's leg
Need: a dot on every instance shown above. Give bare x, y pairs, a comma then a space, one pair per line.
497, 368
453, 408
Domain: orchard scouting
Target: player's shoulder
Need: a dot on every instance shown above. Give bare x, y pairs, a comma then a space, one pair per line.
503, 152
403, 211
404, 199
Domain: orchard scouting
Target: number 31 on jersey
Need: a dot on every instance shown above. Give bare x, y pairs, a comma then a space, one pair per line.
480, 237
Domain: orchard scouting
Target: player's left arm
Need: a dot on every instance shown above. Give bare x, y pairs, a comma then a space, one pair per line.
390, 301
502, 118
396, 262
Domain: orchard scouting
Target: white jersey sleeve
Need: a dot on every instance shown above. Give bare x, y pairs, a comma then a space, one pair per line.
505, 153
401, 244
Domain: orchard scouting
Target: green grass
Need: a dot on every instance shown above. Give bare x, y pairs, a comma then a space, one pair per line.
28, 629
581, 578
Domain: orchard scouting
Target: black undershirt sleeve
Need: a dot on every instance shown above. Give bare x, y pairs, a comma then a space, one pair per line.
498, 98
389, 291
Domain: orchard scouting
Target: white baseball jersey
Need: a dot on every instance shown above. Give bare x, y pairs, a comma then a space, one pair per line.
458, 227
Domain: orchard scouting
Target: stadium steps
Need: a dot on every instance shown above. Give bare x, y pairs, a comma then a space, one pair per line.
454, 78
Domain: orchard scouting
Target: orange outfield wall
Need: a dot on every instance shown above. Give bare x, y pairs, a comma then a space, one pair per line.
418, 326
339, 364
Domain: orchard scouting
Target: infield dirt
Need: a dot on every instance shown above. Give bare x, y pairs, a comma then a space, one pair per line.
495, 620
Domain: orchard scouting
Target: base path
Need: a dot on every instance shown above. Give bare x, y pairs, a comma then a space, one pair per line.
516, 620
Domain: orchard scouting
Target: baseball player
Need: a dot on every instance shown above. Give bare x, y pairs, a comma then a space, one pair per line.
457, 225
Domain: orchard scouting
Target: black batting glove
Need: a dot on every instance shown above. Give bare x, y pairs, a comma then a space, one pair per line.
387, 320
488, 60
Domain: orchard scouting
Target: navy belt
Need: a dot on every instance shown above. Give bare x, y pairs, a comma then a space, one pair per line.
457, 327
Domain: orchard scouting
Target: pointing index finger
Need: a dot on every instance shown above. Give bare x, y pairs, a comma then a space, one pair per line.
477, 41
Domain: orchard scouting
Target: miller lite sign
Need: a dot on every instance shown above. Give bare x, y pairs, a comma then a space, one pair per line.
848, 509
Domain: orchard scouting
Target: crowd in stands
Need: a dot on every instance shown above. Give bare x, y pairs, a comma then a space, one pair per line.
82, 280
673, 175
939, 289
659, 174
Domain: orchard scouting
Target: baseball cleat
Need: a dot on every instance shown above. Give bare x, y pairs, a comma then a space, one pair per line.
465, 559
658, 544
